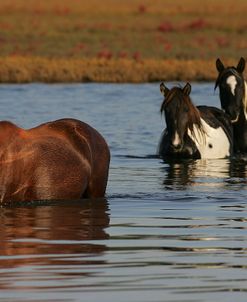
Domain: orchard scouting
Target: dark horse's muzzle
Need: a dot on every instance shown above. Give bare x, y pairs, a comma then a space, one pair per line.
233, 113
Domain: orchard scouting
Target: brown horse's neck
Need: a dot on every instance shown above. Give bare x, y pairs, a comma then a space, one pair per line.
6, 125
8, 131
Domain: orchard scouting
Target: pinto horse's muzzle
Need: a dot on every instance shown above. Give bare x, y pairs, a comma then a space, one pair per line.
176, 147
176, 143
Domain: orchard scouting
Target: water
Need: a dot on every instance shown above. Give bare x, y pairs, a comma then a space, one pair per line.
164, 232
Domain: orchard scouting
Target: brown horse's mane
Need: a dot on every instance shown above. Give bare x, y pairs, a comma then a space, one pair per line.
193, 112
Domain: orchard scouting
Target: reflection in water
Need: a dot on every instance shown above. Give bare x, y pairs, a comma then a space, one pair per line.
205, 172
238, 170
179, 174
31, 234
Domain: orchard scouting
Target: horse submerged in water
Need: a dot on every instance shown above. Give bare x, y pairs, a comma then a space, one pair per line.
63, 159
193, 132
233, 98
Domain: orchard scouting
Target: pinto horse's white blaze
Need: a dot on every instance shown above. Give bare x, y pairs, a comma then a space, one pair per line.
176, 141
214, 144
232, 82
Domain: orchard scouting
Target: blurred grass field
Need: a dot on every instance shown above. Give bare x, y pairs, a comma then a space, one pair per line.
119, 41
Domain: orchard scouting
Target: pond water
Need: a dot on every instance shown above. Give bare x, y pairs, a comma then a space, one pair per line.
164, 232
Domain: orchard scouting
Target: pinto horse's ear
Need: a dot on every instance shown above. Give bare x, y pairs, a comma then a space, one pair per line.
187, 89
164, 90
241, 65
219, 65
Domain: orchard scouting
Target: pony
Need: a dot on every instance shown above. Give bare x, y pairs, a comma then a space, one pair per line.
233, 98
58, 160
192, 132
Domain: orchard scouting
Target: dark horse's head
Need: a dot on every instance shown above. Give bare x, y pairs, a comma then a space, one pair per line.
180, 114
232, 89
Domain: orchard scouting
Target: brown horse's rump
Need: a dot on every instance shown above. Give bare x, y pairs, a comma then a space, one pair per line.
63, 159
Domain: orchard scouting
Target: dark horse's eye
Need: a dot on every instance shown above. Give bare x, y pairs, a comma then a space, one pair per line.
223, 85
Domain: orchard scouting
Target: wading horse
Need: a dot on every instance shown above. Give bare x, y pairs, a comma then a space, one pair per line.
233, 98
63, 159
193, 132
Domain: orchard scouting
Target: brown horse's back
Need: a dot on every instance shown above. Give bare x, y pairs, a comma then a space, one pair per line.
64, 159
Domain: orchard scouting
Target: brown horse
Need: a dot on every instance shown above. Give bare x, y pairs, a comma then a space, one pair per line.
63, 159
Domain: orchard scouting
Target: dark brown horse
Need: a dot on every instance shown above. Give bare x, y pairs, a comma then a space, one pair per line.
233, 98
63, 159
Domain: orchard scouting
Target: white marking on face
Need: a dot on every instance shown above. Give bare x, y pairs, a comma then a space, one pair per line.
176, 140
215, 144
232, 82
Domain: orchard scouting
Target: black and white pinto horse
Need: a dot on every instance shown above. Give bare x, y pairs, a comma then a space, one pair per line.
193, 132
233, 98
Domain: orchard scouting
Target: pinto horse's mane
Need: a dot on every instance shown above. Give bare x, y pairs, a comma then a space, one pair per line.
194, 122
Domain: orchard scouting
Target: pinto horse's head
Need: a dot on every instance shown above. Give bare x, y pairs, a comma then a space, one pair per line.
232, 88
180, 114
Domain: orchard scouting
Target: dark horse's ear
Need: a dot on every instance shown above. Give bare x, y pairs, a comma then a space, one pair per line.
187, 89
219, 65
164, 90
241, 65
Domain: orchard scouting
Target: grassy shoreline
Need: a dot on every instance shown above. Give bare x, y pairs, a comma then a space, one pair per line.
61, 70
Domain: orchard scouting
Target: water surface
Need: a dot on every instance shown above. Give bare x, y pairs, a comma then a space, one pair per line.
164, 232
